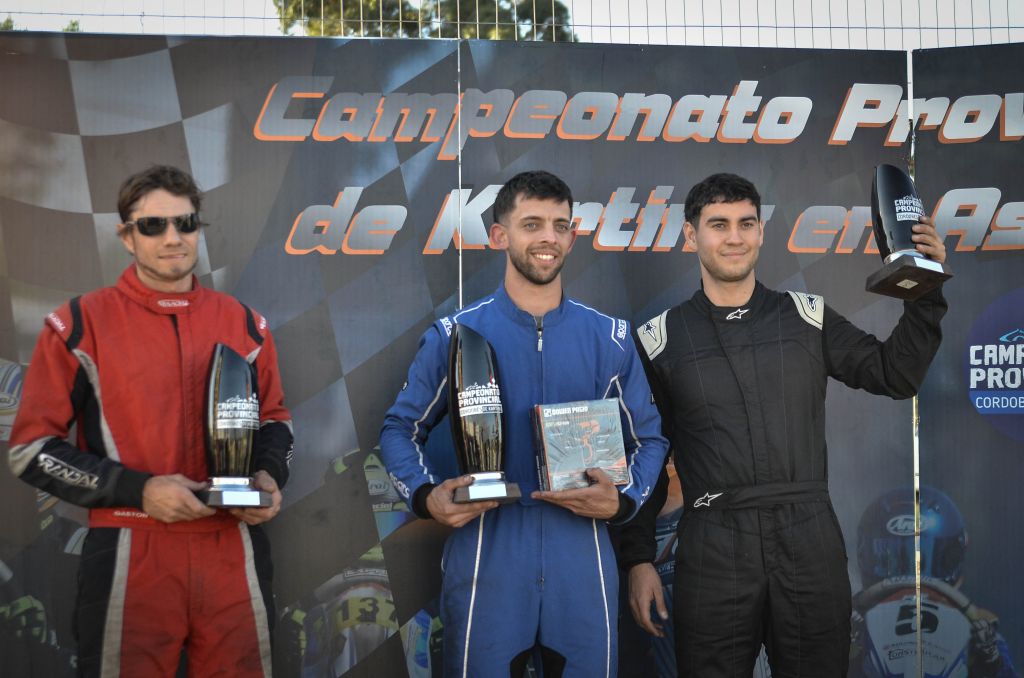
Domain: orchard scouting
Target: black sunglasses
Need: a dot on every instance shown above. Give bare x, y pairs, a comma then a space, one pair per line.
150, 226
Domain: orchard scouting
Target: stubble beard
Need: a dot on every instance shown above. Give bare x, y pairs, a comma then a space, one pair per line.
526, 268
173, 275
721, 274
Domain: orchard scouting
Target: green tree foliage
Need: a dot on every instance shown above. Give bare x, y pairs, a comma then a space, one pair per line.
485, 19
73, 27
7, 24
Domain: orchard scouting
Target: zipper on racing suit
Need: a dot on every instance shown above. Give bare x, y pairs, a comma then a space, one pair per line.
538, 321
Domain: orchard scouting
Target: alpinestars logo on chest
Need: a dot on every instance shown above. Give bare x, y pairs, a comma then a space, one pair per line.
706, 500
737, 314
649, 329
812, 302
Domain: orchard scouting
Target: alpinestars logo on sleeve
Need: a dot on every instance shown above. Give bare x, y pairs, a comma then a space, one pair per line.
706, 500
649, 329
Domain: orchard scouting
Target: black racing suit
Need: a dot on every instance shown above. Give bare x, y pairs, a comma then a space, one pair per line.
741, 391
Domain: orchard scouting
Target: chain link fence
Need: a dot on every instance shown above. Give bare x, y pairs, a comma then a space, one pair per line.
838, 24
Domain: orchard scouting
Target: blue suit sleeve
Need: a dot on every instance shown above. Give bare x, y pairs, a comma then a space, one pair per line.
421, 403
646, 448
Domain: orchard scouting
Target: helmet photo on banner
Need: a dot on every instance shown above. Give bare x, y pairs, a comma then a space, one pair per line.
958, 638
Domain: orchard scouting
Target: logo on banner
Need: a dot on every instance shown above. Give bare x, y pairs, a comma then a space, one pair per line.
11, 379
995, 364
903, 525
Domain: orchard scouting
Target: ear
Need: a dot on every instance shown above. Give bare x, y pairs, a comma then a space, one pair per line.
760, 239
690, 233
498, 237
125, 234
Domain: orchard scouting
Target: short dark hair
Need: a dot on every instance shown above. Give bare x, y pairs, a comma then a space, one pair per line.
170, 179
534, 184
720, 188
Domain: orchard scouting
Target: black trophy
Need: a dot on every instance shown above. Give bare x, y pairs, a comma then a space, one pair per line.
232, 418
475, 412
895, 208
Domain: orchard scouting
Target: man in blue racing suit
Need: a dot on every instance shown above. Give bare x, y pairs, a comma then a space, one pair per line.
535, 577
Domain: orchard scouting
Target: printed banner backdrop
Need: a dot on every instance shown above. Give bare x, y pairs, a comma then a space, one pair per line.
972, 405
336, 173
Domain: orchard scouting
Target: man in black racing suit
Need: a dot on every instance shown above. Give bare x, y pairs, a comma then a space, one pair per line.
739, 374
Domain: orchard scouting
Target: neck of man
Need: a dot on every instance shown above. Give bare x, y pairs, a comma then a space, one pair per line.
534, 299
728, 294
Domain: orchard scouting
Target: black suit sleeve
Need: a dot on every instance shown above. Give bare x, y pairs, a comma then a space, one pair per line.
895, 367
635, 541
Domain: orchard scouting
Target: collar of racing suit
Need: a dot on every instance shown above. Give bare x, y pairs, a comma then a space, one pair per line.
508, 307
166, 303
744, 313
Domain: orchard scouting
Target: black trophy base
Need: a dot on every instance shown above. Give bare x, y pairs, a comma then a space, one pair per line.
227, 492
488, 487
908, 277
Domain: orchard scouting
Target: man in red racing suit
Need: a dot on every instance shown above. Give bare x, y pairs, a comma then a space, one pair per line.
160, 570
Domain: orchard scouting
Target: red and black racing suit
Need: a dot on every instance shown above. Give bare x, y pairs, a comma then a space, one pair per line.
741, 391
129, 365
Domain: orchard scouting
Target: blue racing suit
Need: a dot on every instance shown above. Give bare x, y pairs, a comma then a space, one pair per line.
529, 574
